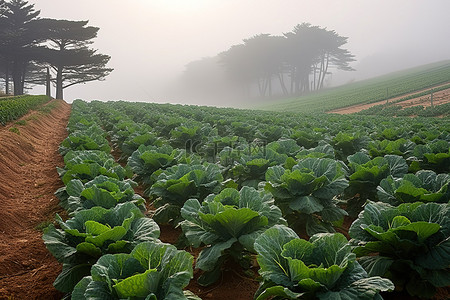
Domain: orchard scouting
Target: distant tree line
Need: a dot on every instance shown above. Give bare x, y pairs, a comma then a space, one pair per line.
32, 48
298, 62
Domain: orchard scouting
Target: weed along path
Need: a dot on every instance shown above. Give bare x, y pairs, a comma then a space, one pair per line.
28, 179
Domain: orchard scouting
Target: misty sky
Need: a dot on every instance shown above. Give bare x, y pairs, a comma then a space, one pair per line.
150, 41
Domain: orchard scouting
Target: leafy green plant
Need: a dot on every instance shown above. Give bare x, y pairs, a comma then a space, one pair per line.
306, 138
88, 164
102, 191
228, 224
409, 244
424, 186
89, 139
432, 156
21, 123
91, 233
15, 130
271, 133
322, 268
135, 140
306, 194
148, 159
153, 270
346, 143
189, 134
177, 184
366, 175
402, 147
323, 150
284, 146
248, 167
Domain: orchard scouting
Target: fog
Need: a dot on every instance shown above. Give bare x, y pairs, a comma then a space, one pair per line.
151, 41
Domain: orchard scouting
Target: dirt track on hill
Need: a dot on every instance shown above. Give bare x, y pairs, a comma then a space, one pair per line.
440, 97
28, 159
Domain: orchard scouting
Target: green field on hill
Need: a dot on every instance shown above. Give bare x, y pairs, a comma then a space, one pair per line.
367, 91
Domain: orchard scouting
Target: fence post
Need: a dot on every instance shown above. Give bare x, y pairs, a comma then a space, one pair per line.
387, 95
431, 99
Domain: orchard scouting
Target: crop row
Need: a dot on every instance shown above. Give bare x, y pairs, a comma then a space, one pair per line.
234, 183
13, 108
109, 248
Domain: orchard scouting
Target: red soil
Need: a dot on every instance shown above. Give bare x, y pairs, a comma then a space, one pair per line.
28, 181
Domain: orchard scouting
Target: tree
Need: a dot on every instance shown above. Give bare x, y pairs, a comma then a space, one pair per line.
312, 50
18, 39
306, 55
69, 55
256, 61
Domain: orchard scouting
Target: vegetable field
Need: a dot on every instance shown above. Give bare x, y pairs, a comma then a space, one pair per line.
368, 91
297, 206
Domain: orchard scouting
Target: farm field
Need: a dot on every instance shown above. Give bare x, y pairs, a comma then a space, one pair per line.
382, 88
220, 185
410, 100
222, 160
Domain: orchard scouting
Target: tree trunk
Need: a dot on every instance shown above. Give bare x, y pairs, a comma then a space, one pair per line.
47, 83
260, 88
59, 83
292, 80
22, 80
16, 78
7, 79
313, 87
325, 69
283, 86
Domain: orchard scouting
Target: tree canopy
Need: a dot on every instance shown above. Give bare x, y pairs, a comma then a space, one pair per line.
29, 44
294, 63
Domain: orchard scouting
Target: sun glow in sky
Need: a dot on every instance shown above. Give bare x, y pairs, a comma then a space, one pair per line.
178, 6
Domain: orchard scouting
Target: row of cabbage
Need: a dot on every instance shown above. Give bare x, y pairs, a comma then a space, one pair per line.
221, 188
12, 108
109, 248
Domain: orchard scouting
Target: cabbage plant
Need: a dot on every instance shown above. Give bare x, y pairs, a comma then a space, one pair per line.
88, 164
248, 167
366, 174
424, 186
323, 150
177, 184
307, 193
102, 191
228, 224
409, 244
152, 271
434, 155
146, 160
89, 139
91, 233
322, 268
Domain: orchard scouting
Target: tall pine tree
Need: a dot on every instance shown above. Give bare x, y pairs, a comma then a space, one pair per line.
18, 40
69, 54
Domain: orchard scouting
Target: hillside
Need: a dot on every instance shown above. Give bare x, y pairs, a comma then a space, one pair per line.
367, 91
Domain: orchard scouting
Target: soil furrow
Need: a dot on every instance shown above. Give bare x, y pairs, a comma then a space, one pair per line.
28, 160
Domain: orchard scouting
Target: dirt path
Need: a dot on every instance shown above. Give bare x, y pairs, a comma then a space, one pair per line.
440, 97
28, 157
